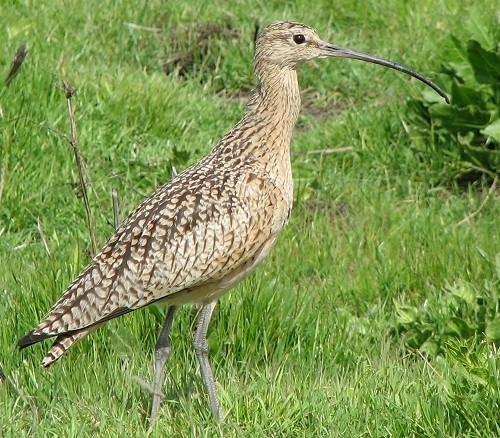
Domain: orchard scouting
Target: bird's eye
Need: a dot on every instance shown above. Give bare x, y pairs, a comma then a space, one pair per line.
299, 39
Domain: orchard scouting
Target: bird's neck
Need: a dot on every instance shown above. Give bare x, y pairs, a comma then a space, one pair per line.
265, 132
277, 96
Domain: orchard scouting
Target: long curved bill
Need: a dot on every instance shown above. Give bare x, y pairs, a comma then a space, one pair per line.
330, 50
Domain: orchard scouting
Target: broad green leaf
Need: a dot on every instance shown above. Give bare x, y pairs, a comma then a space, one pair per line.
460, 327
463, 95
430, 347
483, 157
493, 330
415, 339
430, 96
406, 315
462, 289
459, 120
457, 61
492, 130
486, 64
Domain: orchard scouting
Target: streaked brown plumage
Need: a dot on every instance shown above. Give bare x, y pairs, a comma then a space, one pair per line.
208, 228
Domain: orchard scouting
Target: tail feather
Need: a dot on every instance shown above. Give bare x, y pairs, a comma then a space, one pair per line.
62, 343
32, 338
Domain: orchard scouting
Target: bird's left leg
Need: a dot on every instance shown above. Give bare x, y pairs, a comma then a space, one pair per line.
201, 348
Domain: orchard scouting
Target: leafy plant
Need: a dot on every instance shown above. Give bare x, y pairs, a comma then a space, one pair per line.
466, 132
469, 386
462, 312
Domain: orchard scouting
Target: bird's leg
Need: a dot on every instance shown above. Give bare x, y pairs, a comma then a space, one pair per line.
162, 352
201, 348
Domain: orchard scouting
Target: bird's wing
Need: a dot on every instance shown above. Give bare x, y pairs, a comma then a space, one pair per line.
187, 234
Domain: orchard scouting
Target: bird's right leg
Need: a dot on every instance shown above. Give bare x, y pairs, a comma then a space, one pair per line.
162, 352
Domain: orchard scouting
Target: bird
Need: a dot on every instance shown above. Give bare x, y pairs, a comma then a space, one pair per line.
208, 228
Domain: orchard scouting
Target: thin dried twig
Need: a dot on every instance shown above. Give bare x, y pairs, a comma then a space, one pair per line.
5, 164
69, 91
135, 26
130, 186
485, 200
68, 139
40, 232
16, 64
49, 128
329, 151
116, 208
42, 235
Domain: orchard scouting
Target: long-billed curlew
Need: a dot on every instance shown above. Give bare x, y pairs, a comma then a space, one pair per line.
208, 228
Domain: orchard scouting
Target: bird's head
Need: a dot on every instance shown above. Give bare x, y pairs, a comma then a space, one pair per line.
286, 44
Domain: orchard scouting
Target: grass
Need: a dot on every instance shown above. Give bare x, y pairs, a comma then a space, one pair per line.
308, 345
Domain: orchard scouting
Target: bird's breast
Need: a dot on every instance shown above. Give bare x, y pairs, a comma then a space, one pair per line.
271, 189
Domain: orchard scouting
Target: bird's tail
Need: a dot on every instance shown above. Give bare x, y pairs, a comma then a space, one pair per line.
62, 343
